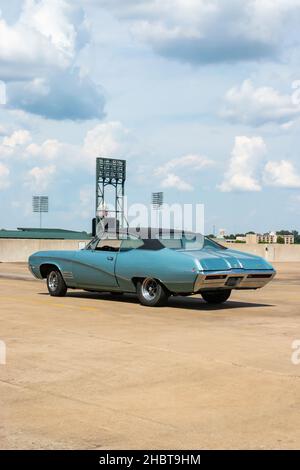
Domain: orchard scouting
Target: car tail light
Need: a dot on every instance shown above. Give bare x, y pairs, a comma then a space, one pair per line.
216, 276
259, 276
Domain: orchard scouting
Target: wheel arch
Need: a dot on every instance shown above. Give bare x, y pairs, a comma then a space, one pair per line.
137, 279
45, 268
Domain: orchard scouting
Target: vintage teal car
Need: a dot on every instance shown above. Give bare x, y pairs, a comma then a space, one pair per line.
153, 263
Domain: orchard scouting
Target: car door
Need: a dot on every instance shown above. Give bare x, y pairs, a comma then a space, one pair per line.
94, 268
131, 262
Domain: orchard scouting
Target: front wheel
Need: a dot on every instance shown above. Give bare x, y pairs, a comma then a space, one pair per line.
216, 296
56, 284
151, 293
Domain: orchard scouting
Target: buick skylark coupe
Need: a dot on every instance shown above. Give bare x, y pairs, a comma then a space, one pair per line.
154, 264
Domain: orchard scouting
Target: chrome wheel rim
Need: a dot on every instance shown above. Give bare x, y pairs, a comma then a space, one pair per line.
53, 281
149, 289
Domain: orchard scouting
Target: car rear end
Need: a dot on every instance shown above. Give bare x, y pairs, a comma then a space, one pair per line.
233, 279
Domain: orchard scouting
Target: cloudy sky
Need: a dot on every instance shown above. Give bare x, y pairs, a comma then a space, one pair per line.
202, 97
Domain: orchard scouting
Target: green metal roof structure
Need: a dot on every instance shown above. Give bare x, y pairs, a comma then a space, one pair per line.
44, 234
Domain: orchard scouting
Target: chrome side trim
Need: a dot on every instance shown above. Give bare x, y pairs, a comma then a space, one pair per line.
67, 275
245, 282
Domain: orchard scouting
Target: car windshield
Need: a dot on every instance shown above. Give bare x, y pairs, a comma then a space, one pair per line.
113, 241
188, 242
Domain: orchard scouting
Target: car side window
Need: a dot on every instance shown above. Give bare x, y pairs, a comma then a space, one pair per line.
131, 243
108, 244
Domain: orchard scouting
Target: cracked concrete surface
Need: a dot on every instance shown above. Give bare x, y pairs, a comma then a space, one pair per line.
93, 372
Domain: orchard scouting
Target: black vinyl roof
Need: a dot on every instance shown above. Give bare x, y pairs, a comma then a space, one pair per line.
147, 232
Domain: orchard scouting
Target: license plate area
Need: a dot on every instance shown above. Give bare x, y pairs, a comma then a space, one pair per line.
233, 281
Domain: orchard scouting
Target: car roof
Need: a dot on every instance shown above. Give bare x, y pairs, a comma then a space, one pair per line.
146, 232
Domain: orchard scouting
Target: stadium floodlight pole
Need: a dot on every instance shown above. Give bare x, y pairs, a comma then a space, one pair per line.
40, 204
110, 172
157, 202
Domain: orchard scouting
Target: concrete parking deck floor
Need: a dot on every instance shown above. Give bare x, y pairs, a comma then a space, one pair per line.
95, 372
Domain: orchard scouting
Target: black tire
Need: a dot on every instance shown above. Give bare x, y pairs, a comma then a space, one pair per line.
151, 293
56, 284
216, 296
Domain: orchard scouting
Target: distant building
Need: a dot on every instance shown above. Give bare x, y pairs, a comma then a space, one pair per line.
288, 239
269, 238
254, 238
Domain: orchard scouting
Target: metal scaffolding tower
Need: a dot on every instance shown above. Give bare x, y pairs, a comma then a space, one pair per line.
110, 172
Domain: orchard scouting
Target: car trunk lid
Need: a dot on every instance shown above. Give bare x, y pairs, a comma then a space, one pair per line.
224, 260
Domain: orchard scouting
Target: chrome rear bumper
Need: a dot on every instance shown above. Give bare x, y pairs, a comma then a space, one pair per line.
234, 279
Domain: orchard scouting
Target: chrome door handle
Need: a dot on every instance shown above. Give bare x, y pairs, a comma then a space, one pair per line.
110, 258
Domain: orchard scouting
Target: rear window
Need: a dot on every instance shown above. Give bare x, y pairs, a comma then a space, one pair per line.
188, 242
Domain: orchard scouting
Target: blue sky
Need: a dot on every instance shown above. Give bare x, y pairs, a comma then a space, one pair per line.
200, 96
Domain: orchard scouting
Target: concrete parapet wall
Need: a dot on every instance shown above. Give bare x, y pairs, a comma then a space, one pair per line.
271, 252
18, 250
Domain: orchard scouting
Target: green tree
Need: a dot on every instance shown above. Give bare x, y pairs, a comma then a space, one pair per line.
296, 236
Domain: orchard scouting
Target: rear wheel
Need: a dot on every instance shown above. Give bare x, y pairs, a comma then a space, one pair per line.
216, 296
151, 293
56, 284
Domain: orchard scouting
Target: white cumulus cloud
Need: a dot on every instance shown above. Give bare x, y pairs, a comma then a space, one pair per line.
187, 164
201, 31
190, 161
17, 138
246, 156
39, 178
281, 174
174, 181
12, 143
38, 62
257, 106
43, 36
109, 139
37, 165
49, 149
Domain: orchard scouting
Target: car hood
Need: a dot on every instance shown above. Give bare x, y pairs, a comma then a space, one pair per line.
223, 260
